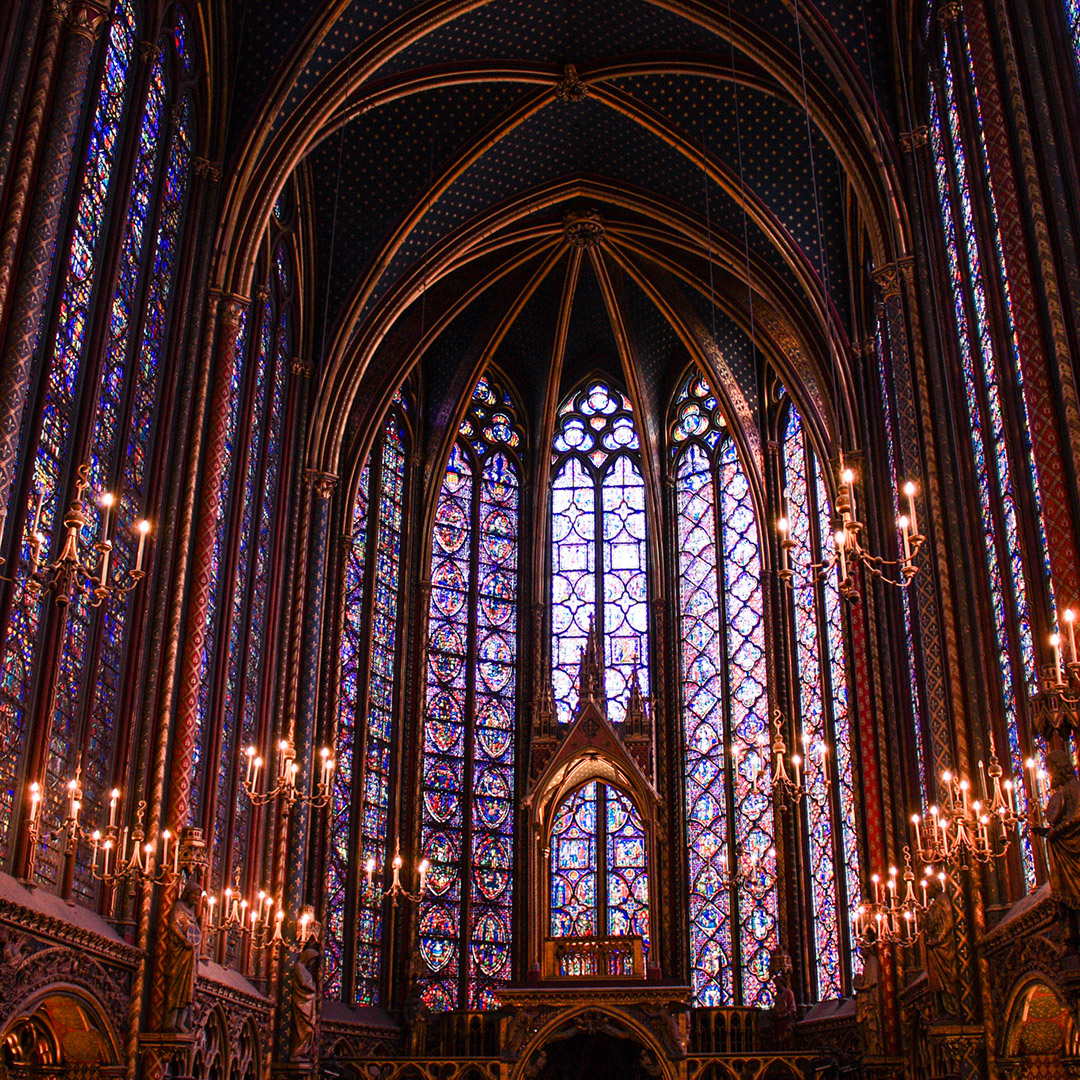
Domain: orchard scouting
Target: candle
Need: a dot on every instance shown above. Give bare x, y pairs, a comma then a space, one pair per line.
277, 924
144, 528
176, 857
303, 927
397, 872
37, 511
114, 798
423, 868
105, 861
796, 761
849, 482
904, 526
909, 491
96, 839
257, 765
369, 869
35, 800
876, 879
917, 822
825, 763
841, 544
782, 525
165, 836
210, 902
1070, 619
1055, 641
250, 754
107, 501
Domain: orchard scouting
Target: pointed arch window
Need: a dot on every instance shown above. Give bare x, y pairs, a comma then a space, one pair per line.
237, 684
367, 711
990, 360
824, 721
729, 811
598, 546
470, 716
599, 870
101, 406
1072, 13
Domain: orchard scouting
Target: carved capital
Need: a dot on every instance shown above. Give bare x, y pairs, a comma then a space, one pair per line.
887, 279
322, 483
569, 87
211, 170
950, 12
262, 292
149, 52
86, 18
915, 139
58, 10
301, 368
231, 312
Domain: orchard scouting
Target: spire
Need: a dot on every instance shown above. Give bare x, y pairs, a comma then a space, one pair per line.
637, 717
591, 670
545, 721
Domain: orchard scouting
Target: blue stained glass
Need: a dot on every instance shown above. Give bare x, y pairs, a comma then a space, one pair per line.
598, 506
574, 867
1072, 13
821, 688
470, 723
987, 432
339, 856
722, 626
63, 361
180, 39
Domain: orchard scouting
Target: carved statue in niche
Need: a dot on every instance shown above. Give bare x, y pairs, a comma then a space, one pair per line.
1062, 829
183, 936
867, 993
303, 994
942, 960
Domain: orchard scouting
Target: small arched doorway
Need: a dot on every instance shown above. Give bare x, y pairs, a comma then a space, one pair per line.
599, 1055
60, 1033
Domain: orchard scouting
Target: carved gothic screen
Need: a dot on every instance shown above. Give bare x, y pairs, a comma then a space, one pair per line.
824, 719
994, 394
599, 877
366, 725
470, 714
104, 353
598, 552
729, 810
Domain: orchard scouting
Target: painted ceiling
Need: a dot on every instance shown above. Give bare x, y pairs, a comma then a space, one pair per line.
690, 119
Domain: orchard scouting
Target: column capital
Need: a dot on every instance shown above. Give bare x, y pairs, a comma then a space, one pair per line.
86, 18
950, 12
915, 139
301, 368
887, 279
322, 483
211, 170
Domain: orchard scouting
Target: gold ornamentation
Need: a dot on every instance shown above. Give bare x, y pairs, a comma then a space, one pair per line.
570, 88
583, 228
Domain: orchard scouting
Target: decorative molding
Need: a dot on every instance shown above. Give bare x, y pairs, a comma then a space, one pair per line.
915, 139
302, 368
583, 228
322, 483
569, 88
87, 18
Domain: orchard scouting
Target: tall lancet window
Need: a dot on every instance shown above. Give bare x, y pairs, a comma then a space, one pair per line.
598, 553
993, 379
366, 717
729, 809
824, 720
1072, 13
470, 715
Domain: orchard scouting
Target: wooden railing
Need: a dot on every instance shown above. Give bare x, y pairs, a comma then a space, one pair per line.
594, 958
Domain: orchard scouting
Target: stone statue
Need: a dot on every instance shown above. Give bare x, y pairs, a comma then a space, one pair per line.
942, 960
415, 1014
303, 996
867, 1012
1062, 830
784, 1011
182, 938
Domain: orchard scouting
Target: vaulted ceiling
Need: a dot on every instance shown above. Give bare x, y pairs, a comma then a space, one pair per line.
474, 200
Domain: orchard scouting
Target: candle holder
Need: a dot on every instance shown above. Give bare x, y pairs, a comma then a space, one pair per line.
254, 920
70, 575
891, 919
848, 551
789, 788
286, 786
743, 868
397, 890
969, 826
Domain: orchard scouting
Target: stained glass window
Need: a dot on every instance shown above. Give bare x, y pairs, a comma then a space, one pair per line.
470, 711
824, 722
990, 373
1072, 12
598, 546
365, 727
722, 648
588, 892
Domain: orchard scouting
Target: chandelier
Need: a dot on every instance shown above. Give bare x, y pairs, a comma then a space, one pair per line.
848, 551
397, 890
287, 772
70, 575
891, 918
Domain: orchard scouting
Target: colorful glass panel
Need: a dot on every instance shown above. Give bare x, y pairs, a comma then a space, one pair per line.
63, 362
598, 504
627, 884
574, 866
470, 716
989, 451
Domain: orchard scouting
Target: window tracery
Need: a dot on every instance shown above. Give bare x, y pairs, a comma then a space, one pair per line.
733, 927
366, 715
599, 557
471, 710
